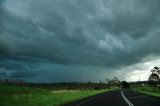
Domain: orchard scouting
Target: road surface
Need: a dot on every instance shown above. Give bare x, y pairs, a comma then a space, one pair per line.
118, 98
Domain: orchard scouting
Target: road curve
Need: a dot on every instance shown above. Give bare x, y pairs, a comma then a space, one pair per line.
118, 98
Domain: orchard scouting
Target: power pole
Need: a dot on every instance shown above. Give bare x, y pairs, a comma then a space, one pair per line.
139, 78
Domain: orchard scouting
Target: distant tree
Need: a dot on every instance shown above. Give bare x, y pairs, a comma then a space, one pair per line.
107, 80
125, 85
154, 77
156, 70
113, 82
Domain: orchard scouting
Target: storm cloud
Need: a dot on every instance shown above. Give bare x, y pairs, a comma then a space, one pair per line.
100, 35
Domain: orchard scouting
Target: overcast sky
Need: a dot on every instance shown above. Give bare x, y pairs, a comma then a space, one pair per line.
79, 40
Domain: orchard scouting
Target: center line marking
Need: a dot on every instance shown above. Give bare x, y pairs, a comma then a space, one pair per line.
127, 101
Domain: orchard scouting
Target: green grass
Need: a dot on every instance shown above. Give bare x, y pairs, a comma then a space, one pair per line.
150, 93
26, 96
148, 90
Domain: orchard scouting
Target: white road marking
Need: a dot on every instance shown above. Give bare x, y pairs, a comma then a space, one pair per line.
87, 101
128, 102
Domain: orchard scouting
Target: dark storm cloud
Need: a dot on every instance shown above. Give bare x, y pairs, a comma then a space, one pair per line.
20, 66
5, 47
2, 74
103, 33
21, 74
19, 62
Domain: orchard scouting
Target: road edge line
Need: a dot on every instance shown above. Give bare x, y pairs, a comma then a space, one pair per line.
125, 98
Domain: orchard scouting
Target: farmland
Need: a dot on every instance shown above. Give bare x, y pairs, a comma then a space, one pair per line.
12, 95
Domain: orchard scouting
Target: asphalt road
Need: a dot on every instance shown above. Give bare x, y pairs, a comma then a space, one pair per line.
118, 98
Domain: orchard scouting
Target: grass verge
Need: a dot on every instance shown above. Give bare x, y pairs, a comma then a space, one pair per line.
150, 93
26, 96
148, 90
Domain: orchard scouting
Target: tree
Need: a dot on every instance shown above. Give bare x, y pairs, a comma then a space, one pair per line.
156, 70
113, 82
154, 78
125, 85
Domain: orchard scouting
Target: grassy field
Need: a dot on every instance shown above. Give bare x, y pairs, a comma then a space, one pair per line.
148, 90
11, 95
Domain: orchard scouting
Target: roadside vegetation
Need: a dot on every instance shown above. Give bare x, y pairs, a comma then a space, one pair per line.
148, 90
19, 93
12, 95
152, 87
